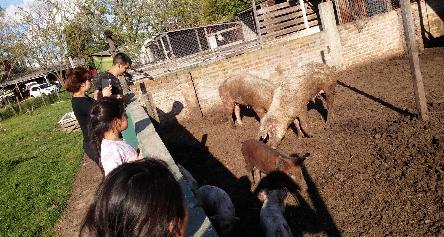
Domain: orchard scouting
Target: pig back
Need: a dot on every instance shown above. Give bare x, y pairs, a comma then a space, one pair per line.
260, 155
251, 90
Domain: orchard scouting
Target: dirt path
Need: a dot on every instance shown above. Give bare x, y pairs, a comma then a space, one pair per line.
87, 180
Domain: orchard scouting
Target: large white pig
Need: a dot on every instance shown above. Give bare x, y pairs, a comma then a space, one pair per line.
290, 100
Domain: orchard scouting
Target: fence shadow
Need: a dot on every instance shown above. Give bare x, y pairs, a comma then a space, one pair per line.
301, 217
403, 112
193, 154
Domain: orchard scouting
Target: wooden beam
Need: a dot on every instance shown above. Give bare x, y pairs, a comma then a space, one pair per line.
273, 8
412, 47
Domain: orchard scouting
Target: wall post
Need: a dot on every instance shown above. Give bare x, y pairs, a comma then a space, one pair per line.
330, 29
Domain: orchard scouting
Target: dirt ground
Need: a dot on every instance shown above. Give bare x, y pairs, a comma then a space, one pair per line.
373, 170
87, 180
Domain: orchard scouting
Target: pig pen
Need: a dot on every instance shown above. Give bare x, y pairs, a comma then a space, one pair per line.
373, 170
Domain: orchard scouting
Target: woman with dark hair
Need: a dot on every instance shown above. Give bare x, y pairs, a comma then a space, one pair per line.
107, 121
78, 82
137, 199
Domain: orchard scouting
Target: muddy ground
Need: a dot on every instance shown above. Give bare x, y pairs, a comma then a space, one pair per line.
373, 170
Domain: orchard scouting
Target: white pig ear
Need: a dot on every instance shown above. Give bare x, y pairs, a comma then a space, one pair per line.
262, 196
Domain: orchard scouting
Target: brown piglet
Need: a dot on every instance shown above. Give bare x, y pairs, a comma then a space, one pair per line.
266, 159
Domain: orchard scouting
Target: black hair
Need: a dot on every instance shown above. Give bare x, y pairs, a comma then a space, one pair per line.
137, 199
102, 115
121, 58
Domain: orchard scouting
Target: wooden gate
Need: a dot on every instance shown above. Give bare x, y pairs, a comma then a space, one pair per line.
285, 18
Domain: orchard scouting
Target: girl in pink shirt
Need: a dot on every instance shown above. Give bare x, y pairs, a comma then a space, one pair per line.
108, 120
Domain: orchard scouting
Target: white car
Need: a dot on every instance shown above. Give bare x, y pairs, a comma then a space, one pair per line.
42, 89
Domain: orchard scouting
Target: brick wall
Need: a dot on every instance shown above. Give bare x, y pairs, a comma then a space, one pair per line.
432, 12
362, 41
368, 39
178, 87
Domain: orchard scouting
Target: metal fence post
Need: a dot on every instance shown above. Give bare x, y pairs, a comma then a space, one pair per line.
258, 27
169, 45
198, 40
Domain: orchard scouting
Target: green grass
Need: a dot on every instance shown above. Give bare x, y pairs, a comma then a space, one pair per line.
37, 167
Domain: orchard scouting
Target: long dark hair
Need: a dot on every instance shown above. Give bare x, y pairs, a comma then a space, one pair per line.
102, 115
136, 199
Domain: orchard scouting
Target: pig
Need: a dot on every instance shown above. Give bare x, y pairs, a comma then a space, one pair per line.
194, 185
247, 90
219, 207
272, 213
266, 159
290, 101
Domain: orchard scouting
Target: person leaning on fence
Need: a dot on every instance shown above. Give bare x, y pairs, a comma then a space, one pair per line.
107, 121
78, 82
121, 62
137, 199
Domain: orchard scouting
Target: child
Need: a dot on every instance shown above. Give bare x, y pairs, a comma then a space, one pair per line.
137, 199
107, 121
78, 82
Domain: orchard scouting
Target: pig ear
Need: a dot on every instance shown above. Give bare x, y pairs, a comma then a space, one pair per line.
262, 196
283, 193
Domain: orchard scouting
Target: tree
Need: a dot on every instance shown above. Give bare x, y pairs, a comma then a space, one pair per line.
40, 26
12, 51
53, 30
222, 10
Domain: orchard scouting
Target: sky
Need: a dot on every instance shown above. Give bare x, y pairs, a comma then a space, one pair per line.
6, 3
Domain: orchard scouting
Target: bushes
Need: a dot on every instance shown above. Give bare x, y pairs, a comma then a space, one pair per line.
11, 110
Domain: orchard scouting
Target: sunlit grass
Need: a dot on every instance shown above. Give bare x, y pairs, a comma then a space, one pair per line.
38, 163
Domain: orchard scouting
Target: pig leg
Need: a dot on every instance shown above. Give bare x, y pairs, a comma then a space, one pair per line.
250, 170
252, 176
237, 114
329, 99
298, 128
303, 123
229, 108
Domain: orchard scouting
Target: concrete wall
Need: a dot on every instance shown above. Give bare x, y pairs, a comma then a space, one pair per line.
362, 41
152, 146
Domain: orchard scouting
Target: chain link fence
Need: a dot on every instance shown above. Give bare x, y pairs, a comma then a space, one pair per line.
352, 10
192, 41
